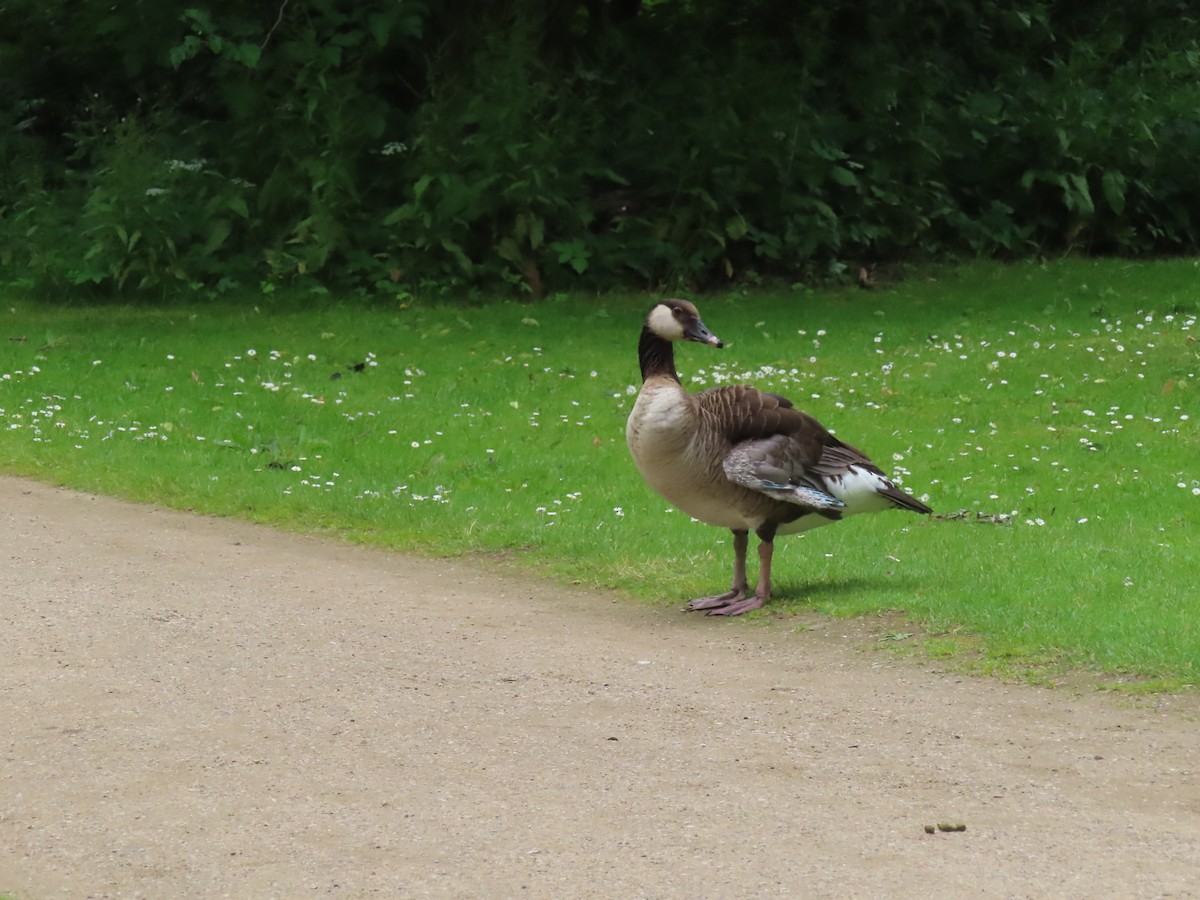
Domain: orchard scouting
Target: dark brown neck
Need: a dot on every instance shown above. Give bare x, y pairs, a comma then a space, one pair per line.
657, 357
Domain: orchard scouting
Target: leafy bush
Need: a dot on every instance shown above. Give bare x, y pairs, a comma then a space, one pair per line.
500, 173
525, 146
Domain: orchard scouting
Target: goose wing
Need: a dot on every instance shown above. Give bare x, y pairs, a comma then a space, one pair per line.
771, 447
777, 450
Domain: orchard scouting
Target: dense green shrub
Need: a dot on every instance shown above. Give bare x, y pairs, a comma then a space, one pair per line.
533, 145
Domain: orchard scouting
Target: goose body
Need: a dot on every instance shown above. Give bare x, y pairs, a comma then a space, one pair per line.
740, 458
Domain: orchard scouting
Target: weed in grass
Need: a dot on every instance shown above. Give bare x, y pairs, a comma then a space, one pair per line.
1048, 413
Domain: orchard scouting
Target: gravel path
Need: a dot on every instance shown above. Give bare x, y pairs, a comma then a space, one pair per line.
206, 708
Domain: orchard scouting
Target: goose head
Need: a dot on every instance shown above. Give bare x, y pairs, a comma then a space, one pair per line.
679, 320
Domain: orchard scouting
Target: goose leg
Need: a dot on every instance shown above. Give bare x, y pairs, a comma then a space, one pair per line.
735, 606
739, 587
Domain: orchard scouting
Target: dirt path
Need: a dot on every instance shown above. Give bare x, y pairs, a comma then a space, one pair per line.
200, 708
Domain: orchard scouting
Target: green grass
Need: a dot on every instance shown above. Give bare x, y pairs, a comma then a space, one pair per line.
1054, 410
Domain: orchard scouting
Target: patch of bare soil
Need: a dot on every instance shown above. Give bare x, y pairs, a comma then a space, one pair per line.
204, 708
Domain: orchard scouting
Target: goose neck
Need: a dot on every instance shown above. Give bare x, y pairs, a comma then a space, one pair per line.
656, 356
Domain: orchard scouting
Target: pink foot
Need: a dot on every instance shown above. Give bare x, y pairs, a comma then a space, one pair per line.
731, 603
716, 602
737, 607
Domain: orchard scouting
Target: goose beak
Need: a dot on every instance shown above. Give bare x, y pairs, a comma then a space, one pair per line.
699, 333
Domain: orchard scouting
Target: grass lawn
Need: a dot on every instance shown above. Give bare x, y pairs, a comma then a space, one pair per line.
1050, 414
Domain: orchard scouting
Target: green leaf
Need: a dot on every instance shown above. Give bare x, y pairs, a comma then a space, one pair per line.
825, 210
508, 249
200, 18
217, 234
704, 197
183, 52
406, 214
1079, 196
421, 186
573, 254
380, 26
612, 176
827, 150
1113, 185
736, 227
456, 250
247, 54
844, 177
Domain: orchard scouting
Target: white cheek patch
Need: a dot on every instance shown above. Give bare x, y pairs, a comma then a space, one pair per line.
662, 322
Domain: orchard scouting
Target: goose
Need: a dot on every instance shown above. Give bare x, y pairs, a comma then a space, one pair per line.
743, 459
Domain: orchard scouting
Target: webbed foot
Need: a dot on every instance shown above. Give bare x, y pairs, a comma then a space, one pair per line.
731, 603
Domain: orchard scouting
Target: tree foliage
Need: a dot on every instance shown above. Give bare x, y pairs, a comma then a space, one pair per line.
409, 145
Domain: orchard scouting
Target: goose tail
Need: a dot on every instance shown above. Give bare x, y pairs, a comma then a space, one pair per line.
901, 500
